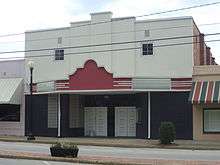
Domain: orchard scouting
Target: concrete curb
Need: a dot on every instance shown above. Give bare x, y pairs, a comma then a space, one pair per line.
115, 161
62, 159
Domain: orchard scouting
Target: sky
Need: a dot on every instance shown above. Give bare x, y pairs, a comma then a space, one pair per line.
23, 15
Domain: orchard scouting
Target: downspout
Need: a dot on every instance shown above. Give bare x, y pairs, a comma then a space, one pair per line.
149, 117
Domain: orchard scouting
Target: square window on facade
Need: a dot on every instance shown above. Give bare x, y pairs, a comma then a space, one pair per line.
211, 120
147, 49
59, 54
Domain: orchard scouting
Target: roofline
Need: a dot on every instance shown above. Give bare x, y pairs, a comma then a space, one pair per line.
194, 23
20, 59
113, 19
104, 12
122, 18
165, 19
78, 22
49, 29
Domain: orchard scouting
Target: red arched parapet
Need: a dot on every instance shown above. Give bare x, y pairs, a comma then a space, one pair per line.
92, 77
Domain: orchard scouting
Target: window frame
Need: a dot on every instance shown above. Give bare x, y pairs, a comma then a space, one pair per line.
59, 56
11, 110
148, 52
203, 119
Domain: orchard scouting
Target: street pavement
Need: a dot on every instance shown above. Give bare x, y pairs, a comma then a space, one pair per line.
33, 162
117, 152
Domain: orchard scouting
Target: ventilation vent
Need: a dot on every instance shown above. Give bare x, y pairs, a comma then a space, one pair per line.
147, 33
59, 41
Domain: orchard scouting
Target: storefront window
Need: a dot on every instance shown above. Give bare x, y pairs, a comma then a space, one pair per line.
211, 120
10, 113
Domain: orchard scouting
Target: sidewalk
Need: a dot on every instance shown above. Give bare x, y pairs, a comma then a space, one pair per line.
121, 142
103, 159
110, 160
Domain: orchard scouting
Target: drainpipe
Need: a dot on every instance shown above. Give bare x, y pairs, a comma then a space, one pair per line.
148, 115
59, 117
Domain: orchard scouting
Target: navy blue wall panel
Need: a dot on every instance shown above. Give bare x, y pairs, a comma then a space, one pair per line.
174, 107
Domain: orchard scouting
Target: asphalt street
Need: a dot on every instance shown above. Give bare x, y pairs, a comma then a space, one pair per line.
117, 152
33, 162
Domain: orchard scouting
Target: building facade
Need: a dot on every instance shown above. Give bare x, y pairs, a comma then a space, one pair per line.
205, 99
12, 100
117, 77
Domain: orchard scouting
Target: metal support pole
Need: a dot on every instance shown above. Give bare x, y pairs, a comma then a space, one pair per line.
59, 117
149, 116
30, 135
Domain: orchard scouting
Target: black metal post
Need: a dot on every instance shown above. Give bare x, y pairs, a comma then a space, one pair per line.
30, 135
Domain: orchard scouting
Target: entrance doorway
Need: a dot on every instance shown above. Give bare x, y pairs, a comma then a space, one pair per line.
95, 121
110, 121
125, 121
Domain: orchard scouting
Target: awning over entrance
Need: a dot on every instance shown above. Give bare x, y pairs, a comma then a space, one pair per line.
10, 90
205, 92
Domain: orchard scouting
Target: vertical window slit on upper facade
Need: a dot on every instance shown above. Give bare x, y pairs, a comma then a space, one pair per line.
59, 40
147, 33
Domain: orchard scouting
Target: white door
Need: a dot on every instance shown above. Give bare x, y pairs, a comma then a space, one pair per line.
95, 122
125, 121
120, 121
89, 121
132, 119
101, 121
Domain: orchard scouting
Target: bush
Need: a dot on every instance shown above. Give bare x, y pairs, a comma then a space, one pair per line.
56, 145
64, 150
167, 133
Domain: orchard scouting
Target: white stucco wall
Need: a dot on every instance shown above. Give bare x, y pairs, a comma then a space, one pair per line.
12, 68
167, 62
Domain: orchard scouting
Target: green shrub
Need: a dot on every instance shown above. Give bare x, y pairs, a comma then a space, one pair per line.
64, 149
167, 133
69, 145
56, 145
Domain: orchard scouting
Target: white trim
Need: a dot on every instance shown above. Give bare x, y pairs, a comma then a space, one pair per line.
194, 90
122, 85
200, 92
206, 92
122, 81
128, 83
59, 117
149, 118
219, 94
62, 87
213, 90
111, 90
62, 83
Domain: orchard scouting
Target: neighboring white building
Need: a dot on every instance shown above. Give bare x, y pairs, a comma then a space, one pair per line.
12, 101
105, 59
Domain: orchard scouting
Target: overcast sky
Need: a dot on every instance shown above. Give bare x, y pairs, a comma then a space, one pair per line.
21, 15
